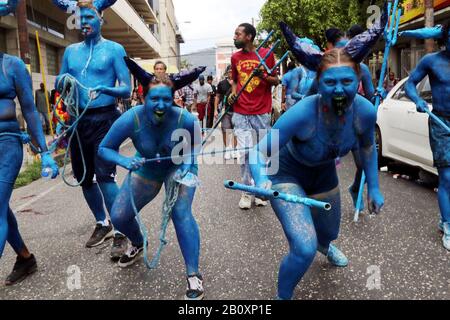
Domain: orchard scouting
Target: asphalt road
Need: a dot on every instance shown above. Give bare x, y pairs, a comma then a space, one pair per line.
396, 255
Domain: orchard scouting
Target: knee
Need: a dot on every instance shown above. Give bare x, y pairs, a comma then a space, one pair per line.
303, 250
120, 216
444, 179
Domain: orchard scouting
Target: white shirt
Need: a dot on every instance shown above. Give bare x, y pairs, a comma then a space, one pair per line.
202, 92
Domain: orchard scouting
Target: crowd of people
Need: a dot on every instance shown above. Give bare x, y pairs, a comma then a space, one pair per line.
327, 112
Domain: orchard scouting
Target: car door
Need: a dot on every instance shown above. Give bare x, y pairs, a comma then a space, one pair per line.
417, 143
394, 111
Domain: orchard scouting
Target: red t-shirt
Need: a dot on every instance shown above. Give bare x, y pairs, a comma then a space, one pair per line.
257, 96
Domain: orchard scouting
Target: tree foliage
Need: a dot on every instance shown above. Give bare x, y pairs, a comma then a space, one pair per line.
310, 18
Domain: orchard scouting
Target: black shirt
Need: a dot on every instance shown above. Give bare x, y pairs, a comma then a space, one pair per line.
224, 89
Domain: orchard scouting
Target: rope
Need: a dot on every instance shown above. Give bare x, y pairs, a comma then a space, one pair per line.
24, 138
70, 96
171, 198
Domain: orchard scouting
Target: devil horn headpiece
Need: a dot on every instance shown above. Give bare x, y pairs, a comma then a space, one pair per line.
179, 80
361, 45
304, 49
100, 5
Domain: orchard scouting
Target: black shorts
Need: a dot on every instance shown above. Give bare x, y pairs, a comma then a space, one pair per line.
92, 128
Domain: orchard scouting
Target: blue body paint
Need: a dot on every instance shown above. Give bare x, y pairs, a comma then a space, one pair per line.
312, 135
15, 81
150, 127
437, 67
97, 64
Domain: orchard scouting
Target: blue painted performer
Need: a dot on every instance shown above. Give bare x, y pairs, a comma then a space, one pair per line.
312, 134
437, 67
296, 84
97, 65
15, 81
336, 39
151, 128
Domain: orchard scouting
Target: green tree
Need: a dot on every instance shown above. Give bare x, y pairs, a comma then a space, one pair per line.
310, 18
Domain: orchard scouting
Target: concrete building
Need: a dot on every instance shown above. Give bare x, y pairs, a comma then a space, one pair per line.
224, 51
205, 57
169, 36
139, 25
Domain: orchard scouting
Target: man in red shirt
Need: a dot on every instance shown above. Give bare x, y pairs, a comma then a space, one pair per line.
252, 111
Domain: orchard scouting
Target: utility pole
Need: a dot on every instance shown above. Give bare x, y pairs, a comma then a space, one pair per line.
429, 22
24, 45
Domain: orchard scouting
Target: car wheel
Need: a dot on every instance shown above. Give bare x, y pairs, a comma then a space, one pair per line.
382, 162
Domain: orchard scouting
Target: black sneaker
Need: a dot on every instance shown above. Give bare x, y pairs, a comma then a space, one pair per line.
119, 247
100, 234
22, 268
194, 289
130, 256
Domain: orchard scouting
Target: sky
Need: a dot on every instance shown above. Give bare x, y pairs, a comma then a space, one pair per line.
204, 22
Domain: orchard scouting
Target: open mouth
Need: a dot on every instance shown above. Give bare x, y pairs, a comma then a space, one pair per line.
159, 114
86, 29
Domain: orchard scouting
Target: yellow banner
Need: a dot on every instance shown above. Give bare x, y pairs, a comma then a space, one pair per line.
413, 9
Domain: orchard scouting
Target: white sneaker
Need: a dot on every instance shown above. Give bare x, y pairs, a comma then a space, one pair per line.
446, 237
194, 289
235, 154
227, 155
246, 202
260, 203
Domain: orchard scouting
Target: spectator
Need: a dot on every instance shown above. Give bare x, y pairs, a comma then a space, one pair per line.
188, 96
220, 105
210, 116
253, 109
135, 99
41, 105
390, 82
202, 95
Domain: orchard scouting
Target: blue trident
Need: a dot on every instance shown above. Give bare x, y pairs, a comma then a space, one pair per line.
262, 63
390, 36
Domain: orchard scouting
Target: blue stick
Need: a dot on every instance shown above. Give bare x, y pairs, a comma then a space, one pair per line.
273, 194
391, 39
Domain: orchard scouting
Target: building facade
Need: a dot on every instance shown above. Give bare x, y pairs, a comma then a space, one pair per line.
146, 28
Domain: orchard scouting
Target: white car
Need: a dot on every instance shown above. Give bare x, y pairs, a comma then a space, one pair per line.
402, 132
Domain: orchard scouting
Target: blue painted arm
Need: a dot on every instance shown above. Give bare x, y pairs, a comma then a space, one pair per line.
64, 69
122, 129
366, 79
423, 33
22, 81
411, 85
122, 74
24, 92
367, 120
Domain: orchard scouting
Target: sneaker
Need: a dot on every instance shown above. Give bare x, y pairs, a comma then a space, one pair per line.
227, 154
246, 202
100, 235
130, 256
119, 247
194, 289
235, 154
334, 256
260, 203
446, 237
22, 268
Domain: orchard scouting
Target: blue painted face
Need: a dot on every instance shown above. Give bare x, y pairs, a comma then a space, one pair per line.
90, 23
338, 86
158, 102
